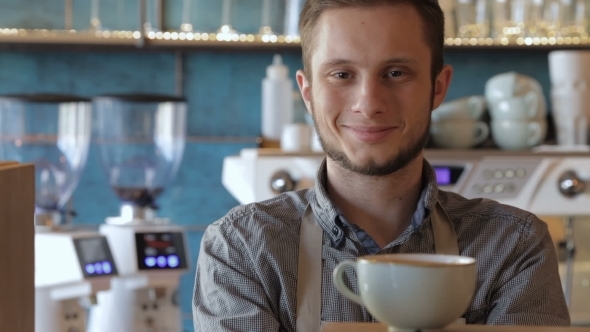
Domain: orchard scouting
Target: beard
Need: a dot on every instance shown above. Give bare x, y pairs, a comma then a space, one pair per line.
399, 161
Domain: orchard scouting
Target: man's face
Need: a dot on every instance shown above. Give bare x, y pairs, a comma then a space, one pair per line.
371, 90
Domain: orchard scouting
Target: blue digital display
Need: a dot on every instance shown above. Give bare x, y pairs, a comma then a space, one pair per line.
99, 268
150, 261
170, 261
95, 256
160, 251
447, 175
443, 175
173, 261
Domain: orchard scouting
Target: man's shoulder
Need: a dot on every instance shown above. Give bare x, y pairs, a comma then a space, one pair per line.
486, 212
280, 212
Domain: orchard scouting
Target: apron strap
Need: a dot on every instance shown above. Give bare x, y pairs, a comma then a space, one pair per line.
309, 274
309, 268
445, 237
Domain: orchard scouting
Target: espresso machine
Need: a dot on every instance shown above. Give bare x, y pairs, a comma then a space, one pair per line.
259, 174
141, 141
71, 265
551, 182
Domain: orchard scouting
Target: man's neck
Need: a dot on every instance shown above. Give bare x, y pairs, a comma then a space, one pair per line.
381, 205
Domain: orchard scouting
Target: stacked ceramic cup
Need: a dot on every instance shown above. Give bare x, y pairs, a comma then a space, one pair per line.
518, 111
570, 95
457, 124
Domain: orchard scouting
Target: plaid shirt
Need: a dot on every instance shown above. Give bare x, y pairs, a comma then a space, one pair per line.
246, 277
371, 247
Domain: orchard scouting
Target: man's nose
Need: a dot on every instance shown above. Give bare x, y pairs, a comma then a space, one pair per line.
370, 97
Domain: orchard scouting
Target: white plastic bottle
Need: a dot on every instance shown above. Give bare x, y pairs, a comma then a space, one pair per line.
277, 102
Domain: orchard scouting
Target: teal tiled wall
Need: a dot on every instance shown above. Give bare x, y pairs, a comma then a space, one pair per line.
222, 88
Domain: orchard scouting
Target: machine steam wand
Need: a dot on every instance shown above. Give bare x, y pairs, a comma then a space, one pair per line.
570, 185
281, 182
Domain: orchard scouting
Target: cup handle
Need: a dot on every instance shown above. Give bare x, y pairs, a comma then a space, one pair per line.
482, 131
532, 101
339, 282
535, 134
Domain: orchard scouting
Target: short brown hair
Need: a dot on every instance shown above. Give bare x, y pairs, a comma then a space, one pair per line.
429, 10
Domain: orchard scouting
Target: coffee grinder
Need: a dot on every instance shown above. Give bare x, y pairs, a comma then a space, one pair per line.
141, 140
71, 265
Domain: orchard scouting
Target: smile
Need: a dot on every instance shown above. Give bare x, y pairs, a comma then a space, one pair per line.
370, 134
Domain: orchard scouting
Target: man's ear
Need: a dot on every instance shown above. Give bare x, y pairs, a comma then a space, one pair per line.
441, 85
304, 88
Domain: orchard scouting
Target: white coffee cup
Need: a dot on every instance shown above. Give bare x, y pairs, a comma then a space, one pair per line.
528, 106
569, 69
411, 291
570, 102
459, 133
510, 84
572, 129
571, 114
472, 107
575, 86
518, 134
296, 137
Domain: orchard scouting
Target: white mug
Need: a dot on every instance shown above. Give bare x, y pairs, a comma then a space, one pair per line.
528, 106
518, 134
472, 107
508, 85
570, 102
571, 114
411, 291
296, 137
572, 130
459, 133
569, 69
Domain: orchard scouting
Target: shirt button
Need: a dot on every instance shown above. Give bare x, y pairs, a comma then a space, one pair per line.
335, 230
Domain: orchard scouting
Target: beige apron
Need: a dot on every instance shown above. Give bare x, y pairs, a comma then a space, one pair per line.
309, 274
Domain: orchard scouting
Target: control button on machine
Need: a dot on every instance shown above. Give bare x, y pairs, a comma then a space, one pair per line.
510, 187
520, 172
477, 188
509, 174
498, 174
487, 189
499, 188
487, 174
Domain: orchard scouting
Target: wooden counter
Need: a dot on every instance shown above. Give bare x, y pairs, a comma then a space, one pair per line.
373, 327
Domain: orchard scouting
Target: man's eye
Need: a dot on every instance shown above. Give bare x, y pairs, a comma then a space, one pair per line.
342, 75
395, 73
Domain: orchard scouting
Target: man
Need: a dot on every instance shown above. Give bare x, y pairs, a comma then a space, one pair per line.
373, 72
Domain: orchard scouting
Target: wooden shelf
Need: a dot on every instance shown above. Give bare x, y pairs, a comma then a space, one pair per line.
60, 40
213, 40
527, 43
194, 41
61, 37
